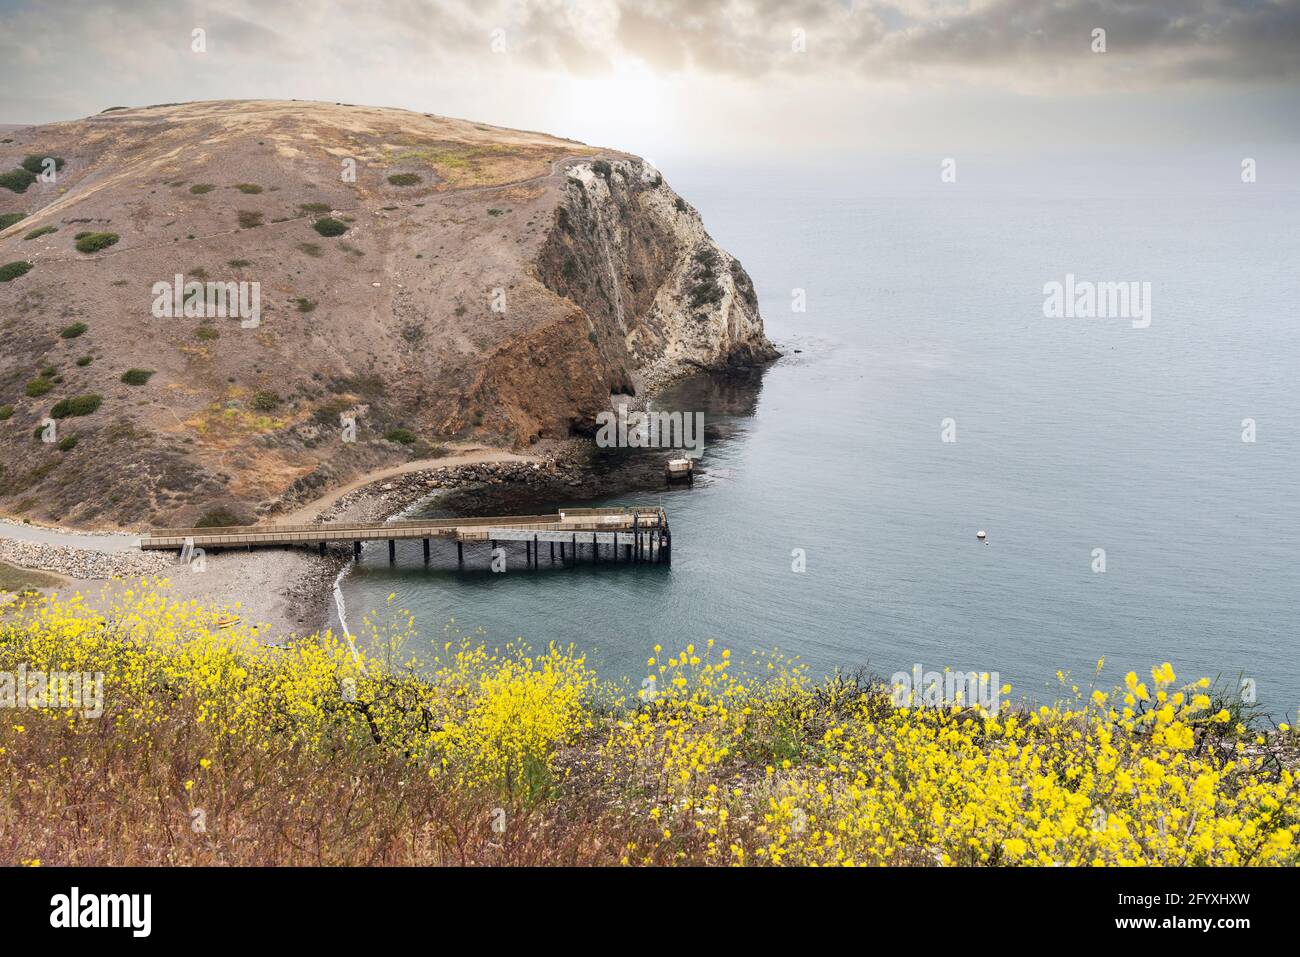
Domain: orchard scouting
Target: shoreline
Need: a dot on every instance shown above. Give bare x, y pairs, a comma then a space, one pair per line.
290, 593
285, 593
295, 589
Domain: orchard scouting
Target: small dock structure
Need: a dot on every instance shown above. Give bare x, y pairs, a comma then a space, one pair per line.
630, 534
680, 470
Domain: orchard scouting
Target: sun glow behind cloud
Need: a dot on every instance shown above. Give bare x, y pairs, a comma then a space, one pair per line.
681, 77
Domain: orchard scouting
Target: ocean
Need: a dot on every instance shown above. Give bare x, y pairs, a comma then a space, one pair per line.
924, 396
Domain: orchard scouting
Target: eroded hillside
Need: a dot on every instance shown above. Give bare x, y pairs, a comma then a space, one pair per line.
432, 279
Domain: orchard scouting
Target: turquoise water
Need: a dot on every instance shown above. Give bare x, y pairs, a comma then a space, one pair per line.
1072, 435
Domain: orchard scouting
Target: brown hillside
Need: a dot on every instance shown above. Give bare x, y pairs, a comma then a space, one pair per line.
501, 289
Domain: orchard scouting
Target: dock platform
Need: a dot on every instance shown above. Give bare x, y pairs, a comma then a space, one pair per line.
642, 531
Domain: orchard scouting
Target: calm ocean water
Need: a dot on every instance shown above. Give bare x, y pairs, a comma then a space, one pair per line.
925, 304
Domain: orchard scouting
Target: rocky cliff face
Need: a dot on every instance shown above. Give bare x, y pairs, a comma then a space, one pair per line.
434, 279
635, 256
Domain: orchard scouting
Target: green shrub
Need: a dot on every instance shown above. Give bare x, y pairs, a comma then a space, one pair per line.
404, 179
314, 209
40, 231
8, 219
208, 333
17, 180
198, 189
218, 518
249, 219
38, 387
304, 304
266, 400
404, 436
239, 263
5, 412
328, 226
11, 271
77, 405
36, 164
84, 360
68, 444
137, 376
74, 330
94, 242
251, 189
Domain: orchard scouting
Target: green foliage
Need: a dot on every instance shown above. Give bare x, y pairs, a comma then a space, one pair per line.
404, 436
38, 387
266, 400
11, 271
329, 412
314, 209
327, 226
304, 304
404, 179
85, 360
5, 412
208, 333
74, 330
68, 443
36, 164
40, 231
239, 263
251, 189
137, 376
248, 219
198, 189
17, 180
8, 219
77, 405
94, 242
221, 517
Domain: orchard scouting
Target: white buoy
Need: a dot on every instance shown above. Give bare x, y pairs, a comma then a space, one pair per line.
981, 535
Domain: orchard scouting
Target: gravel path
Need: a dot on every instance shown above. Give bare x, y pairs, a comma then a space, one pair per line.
92, 541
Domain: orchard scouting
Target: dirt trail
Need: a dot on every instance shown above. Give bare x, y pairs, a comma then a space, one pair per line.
90, 541
462, 455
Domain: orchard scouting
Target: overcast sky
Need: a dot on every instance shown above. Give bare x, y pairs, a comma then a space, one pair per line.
699, 77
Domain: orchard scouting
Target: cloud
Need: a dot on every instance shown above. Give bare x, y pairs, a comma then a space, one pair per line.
604, 67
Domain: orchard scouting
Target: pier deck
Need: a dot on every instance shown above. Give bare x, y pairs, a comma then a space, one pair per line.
642, 530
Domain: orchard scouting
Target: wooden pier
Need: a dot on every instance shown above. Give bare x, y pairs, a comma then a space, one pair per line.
632, 534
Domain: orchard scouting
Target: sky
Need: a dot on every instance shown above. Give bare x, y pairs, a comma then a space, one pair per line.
765, 79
